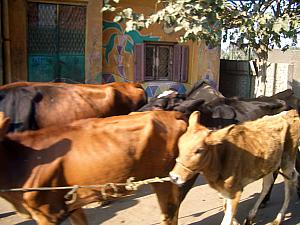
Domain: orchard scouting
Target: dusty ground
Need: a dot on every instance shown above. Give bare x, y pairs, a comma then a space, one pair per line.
201, 206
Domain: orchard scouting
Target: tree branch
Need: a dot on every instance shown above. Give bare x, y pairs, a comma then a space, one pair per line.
267, 5
278, 9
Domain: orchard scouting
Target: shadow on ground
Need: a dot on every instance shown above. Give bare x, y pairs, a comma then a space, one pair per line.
100, 214
265, 215
2, 215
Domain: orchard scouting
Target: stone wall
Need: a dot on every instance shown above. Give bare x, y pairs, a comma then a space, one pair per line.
291, 69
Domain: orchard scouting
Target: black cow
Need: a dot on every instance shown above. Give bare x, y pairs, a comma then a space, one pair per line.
165, 101
200, 93
217, 111
289, 97
225, 111
18, 104
203, 90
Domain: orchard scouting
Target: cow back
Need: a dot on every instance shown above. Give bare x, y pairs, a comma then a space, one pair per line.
47, 104
202, 90
98, 151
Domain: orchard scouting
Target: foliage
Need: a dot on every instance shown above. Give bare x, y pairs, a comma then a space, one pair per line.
258, 24
232, 52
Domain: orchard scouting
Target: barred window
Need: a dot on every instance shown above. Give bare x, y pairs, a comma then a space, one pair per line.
158, 61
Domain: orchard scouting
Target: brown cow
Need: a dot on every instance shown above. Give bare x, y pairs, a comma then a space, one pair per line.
34, 105
232, 157
29, 84
87, 152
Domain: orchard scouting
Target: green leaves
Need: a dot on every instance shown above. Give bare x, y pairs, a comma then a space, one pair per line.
261, 24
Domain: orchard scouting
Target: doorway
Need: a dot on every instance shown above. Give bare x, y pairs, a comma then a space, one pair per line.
56, 42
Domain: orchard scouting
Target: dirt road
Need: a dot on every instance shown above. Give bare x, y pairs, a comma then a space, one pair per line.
202, 206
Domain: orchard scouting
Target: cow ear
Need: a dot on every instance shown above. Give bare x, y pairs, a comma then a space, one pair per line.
217, 137
223, 112
4, 124
194, 118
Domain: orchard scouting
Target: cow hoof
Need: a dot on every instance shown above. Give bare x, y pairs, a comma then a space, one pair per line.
275, 222
235, 222
248, 222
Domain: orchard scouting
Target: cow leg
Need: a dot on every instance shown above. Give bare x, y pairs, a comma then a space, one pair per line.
268, 195
45, 208
169, 198
230, 209
78, 217
41, 219
167, 195
289, 181
268, 182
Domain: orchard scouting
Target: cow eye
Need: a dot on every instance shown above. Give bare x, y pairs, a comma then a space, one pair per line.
199, 150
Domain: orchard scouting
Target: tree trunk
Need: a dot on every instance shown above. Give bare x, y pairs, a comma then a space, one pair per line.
262, 65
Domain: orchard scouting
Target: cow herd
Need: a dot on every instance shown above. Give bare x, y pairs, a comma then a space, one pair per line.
58, 135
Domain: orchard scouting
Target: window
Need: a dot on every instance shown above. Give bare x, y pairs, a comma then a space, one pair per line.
159, 61
56, 42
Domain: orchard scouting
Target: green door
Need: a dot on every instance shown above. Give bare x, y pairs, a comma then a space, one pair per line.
235, 78
56, 42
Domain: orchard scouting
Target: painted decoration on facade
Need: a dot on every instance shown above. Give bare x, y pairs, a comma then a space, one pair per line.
129, 38
121, 42
210, 61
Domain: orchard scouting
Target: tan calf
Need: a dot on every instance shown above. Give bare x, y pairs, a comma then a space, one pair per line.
232, 157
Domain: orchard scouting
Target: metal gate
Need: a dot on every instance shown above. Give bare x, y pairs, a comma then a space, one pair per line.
235, 78
56, 42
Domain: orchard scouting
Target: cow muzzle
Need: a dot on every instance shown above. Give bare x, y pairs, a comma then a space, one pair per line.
176, 179
180, 174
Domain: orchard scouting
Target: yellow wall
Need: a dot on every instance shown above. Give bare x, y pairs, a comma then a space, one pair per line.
93, 50
203, 62
18, 38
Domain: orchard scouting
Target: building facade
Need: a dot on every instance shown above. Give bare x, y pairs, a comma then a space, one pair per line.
73, 41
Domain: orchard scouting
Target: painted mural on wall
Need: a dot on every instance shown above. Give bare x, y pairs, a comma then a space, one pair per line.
120, 43
130, 38
117, 46
210, 58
